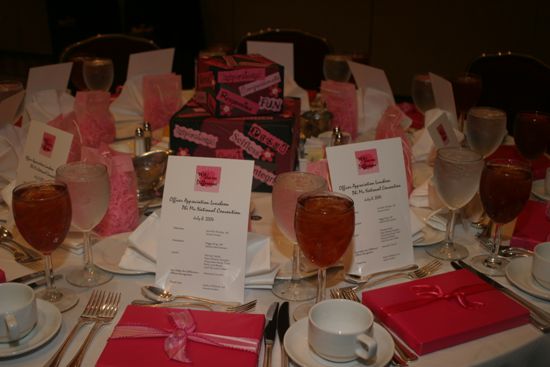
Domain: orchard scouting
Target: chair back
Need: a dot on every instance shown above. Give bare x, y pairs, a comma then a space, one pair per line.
309, 52
513, 82
117, 47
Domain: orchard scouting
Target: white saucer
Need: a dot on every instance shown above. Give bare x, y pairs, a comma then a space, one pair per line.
49, 322
518, 273
538, 190
298, 350
108, 252
430, 237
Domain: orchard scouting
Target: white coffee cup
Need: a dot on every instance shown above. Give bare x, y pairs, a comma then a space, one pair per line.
341, 330
18, 313
547, 182
541, 264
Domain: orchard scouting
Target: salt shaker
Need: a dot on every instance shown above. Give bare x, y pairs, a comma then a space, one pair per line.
147, 135
139, 142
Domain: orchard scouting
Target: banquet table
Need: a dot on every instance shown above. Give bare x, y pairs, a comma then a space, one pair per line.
520, 346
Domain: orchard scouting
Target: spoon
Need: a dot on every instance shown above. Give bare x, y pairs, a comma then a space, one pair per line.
358, 279
6, 236
162, 295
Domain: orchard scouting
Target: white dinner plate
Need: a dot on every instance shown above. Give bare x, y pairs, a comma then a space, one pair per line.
538, 190
108, 252
518, 272
298, 350
47, 325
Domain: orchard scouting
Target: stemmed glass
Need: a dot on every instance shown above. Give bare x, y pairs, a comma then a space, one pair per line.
325, 224
286, 189
336, 68
422, 93
485, 128
531, 133
42, 213
466, 91
456, 174
77, 72
98, 73
504, 189
89, 188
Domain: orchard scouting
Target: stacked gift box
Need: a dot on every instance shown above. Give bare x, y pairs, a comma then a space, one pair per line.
239, 112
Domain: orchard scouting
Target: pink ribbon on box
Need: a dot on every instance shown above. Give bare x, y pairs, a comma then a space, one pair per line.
427, 293
175, 344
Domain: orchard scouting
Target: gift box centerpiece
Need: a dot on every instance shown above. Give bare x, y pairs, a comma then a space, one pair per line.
239, 85
271, 141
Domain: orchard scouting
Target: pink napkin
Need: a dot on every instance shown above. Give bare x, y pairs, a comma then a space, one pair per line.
68, 123
532, 225
128, 346
161, 98
341, 100
123, 212
95, 121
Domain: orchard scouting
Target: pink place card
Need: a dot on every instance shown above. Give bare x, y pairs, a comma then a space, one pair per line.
341, 99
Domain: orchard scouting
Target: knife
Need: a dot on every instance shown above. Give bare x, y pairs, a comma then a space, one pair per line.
42, 282
537, 312
283, 322
269, 332
31, 276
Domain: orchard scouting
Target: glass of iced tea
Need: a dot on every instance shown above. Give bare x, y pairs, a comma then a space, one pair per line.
531, 133
504, 189
42, 213
324, 224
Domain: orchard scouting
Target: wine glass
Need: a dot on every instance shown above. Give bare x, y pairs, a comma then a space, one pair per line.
456, 174
89, 188
531, 133
485, 128
336, 68
325, 224
42, 213
466, 91
286, 189
422, 93
504, 189
98, 73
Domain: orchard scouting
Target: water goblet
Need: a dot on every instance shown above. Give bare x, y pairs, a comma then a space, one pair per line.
89, 188
422, 93
42, 213
504, 189
325, 224
287, 188
531, 133
485, 128
336, 68
466, 91
456, 175
98, 73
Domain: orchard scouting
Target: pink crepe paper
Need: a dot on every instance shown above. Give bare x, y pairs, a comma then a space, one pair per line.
96, 123
341, 100
161, 98
68, 124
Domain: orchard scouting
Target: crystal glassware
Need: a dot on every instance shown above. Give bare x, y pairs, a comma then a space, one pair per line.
42, 213
336, 68
422, 93
504, 189
532, 133
89, 188
485, 128
287, 188
98, 73
325, 224
466, 91
456, 175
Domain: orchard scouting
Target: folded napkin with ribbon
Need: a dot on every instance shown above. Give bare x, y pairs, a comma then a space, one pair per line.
437, 312
532, 225
147, 336
141, 254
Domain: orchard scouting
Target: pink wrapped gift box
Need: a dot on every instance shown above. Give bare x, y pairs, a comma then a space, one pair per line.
444, 310
150, 351
532, 226
239, 85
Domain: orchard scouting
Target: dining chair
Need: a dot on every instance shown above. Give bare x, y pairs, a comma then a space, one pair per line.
118, 47
309, 52
512, 82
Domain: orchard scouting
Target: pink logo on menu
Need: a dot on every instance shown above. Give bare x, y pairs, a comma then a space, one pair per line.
367, 161
442, 134
207, 178
46, 147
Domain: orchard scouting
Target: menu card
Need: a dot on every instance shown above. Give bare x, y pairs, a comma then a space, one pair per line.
48, 77
280, 52
443, 96
46, 149
442, 132
203, 229
373, 175
150, 62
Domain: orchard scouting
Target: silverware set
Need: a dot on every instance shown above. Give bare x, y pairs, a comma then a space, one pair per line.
22, 254
211, 305
100, 310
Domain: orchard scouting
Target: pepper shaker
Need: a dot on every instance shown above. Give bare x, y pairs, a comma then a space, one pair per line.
147, 135
139, 142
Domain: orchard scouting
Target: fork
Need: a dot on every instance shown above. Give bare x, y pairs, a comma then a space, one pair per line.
245, 307
106, 314
402, 353
17, 255
421, 272
87, 316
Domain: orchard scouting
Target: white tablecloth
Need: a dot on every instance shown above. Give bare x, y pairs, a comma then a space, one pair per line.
521, 346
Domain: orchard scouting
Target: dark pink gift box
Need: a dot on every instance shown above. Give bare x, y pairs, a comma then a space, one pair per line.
444, 310
239, 85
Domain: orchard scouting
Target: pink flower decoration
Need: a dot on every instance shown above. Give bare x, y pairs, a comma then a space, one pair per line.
183, 151
225, 110
268, 155
275, 91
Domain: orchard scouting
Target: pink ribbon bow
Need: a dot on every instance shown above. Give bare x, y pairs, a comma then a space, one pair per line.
175, 344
